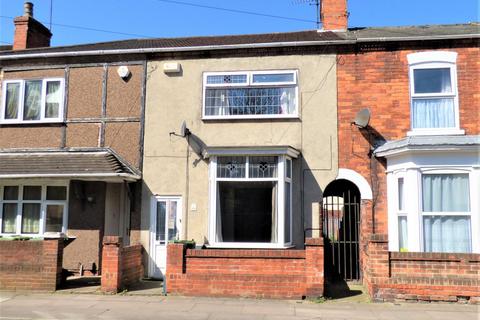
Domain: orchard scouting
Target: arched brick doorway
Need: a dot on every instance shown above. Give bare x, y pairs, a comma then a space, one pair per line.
341, 230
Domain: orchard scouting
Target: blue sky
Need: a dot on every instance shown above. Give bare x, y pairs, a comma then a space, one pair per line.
157, 18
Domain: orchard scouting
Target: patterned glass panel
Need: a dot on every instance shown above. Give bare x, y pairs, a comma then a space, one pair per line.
263, 167
231, 167
227, 79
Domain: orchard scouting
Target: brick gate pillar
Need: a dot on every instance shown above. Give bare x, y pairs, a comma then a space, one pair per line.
314, 271
111, 264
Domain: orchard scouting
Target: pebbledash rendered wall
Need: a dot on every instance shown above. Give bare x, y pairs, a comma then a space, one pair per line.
376, 78
293, 274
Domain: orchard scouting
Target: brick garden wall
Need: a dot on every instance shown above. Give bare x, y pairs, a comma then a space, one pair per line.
421, 276
132, 267
121, 266
246, 272
31, 265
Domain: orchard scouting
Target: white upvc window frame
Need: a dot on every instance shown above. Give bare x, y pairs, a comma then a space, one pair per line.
401, 204
43, 207
434, 60
414, 205
21, 101
280, 207
250, 84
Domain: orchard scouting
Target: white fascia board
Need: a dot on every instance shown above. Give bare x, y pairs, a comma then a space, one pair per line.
419, 149
241, 151
86, 176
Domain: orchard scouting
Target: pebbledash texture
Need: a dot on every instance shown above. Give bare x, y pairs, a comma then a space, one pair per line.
261, 165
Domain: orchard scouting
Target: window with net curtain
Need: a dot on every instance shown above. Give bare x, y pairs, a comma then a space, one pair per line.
250, 94
23, 208
33, 100
446, 213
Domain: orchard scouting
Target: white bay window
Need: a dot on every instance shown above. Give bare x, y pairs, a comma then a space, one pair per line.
33, 209
434, 209
250, 200
446, 212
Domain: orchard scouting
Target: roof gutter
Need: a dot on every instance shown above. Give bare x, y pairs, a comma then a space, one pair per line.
124, 176
226, 47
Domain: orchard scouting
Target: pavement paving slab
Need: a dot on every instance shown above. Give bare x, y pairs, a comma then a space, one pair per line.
22, 306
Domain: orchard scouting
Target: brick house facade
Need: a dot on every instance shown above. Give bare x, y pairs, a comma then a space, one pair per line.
377, 77
337, 134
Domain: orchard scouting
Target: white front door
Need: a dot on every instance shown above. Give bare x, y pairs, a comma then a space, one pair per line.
166, 226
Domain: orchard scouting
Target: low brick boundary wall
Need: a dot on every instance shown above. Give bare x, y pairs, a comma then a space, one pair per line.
421, 276
121, 266
31, 264
269, 273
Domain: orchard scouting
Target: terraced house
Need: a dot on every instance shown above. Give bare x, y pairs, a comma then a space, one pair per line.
269, 165
71, 155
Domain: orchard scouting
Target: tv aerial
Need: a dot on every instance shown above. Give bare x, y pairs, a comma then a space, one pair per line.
315, 3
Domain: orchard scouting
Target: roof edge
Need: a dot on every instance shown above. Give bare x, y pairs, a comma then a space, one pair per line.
233, 46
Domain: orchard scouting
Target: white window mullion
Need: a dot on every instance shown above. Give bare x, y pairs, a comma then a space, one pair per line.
281, 201
1, 209
21, 103
413, 183
392, 212
43, 100
19, 209
212, 230
43, 210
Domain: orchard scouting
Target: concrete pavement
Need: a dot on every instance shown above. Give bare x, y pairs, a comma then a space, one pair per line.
15, 306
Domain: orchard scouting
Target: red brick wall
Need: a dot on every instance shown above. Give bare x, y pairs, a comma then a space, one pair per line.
334, 14
31, 265
247, 273
131, 264
29, 33
421, 276
378, 80
121, 266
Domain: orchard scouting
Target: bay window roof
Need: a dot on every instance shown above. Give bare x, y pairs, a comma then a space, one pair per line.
428, 143
254, 150
97, 164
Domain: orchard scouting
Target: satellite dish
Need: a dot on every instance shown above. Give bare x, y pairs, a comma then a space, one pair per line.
362, 118
184, 131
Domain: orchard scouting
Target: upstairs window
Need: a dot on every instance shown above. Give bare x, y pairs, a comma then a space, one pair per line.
250, 94
30, 101
433, 91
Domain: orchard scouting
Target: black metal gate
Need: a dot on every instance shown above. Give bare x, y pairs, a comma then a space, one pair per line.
341, 222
